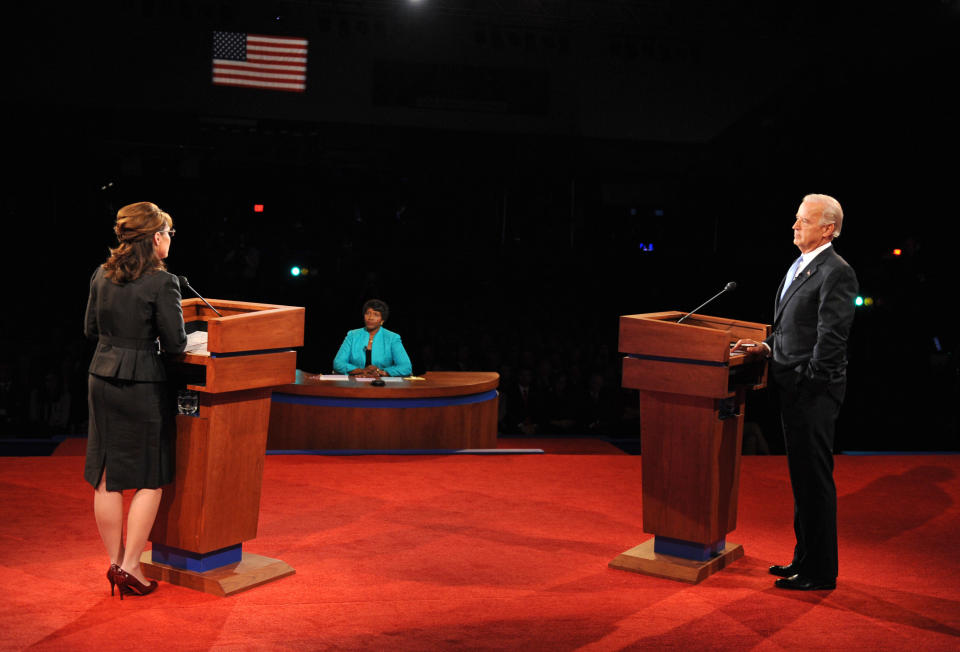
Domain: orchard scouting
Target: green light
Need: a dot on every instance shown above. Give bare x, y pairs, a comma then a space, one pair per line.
858, 301
295, 271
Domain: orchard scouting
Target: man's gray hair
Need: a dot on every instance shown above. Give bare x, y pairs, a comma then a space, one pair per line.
831, 213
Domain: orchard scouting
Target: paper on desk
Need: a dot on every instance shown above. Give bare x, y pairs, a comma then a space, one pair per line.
197, 343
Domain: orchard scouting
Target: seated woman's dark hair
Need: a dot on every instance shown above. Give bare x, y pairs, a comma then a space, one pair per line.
379, 306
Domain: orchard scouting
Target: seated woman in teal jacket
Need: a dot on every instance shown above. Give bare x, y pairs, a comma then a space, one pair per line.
372, 351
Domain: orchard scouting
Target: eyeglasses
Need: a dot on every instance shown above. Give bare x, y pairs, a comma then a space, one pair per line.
170, 233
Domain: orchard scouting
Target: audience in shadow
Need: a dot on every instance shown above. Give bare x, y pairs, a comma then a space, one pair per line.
43, 388
558, 386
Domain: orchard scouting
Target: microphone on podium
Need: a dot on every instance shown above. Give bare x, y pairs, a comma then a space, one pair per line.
729, 287
184, 281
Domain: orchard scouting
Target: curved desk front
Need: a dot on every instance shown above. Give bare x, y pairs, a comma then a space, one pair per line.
448, 410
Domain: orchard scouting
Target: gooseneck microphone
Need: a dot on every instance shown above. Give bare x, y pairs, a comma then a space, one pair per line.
729, 287
184, 281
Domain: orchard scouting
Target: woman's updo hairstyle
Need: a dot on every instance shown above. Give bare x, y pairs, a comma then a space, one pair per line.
136, 224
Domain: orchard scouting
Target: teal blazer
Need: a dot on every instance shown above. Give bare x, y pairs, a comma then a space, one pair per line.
387, 353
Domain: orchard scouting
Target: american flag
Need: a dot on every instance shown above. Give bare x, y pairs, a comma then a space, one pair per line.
275, 62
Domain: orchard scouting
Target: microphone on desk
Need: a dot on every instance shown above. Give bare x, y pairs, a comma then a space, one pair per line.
729, 287
184, 281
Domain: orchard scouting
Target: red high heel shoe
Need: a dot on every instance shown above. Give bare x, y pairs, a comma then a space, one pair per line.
131, 585
112, 577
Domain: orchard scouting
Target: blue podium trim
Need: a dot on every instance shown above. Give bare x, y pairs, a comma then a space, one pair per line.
234, 354
330, 401
662, 358
196, 561
688, 549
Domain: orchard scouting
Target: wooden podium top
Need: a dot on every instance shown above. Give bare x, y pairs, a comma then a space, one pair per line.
249, 346
699, 337
689, 358
247, 326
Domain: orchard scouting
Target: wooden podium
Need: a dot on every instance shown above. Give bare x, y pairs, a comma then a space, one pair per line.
214, 502
691, 409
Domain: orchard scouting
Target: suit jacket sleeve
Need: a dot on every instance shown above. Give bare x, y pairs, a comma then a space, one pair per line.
400, 365
834, 319
341, 362
170, 327
90, 329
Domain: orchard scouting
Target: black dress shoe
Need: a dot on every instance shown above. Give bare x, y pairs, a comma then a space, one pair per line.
784, 571
800, 583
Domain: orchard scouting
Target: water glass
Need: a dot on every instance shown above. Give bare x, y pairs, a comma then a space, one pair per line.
187, 402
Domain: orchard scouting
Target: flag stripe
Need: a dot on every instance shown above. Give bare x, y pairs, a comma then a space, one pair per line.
263, 48
246, 74
262, 57
276, 39
228, 81
227, 63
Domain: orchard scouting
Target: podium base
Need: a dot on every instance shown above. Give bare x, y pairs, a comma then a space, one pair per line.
252, 570
642, 559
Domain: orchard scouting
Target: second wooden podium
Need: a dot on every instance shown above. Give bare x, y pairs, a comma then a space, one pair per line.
213, 506
691, 409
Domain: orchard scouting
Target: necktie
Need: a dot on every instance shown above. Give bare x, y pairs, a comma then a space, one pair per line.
791, 275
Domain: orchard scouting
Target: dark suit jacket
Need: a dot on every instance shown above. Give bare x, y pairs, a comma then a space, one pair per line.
812, 322
127, 320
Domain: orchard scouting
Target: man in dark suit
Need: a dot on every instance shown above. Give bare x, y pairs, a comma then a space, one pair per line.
807, 347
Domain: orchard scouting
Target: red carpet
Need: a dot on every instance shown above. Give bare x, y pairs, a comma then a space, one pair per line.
493, 552
71, 446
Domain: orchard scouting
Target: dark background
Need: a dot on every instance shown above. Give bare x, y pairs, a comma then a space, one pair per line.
499, 172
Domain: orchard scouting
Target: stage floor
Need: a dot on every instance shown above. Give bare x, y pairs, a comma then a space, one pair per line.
493, 552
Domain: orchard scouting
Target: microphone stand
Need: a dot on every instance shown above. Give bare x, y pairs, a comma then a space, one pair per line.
729, 286
183, 279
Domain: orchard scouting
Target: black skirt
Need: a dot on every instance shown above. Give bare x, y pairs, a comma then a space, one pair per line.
131, 434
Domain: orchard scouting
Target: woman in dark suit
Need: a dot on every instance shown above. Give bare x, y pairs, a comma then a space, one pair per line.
134, 304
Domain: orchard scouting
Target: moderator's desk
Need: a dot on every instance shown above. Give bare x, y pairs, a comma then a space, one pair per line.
448, 410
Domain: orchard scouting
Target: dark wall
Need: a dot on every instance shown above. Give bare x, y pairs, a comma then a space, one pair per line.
518, 213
